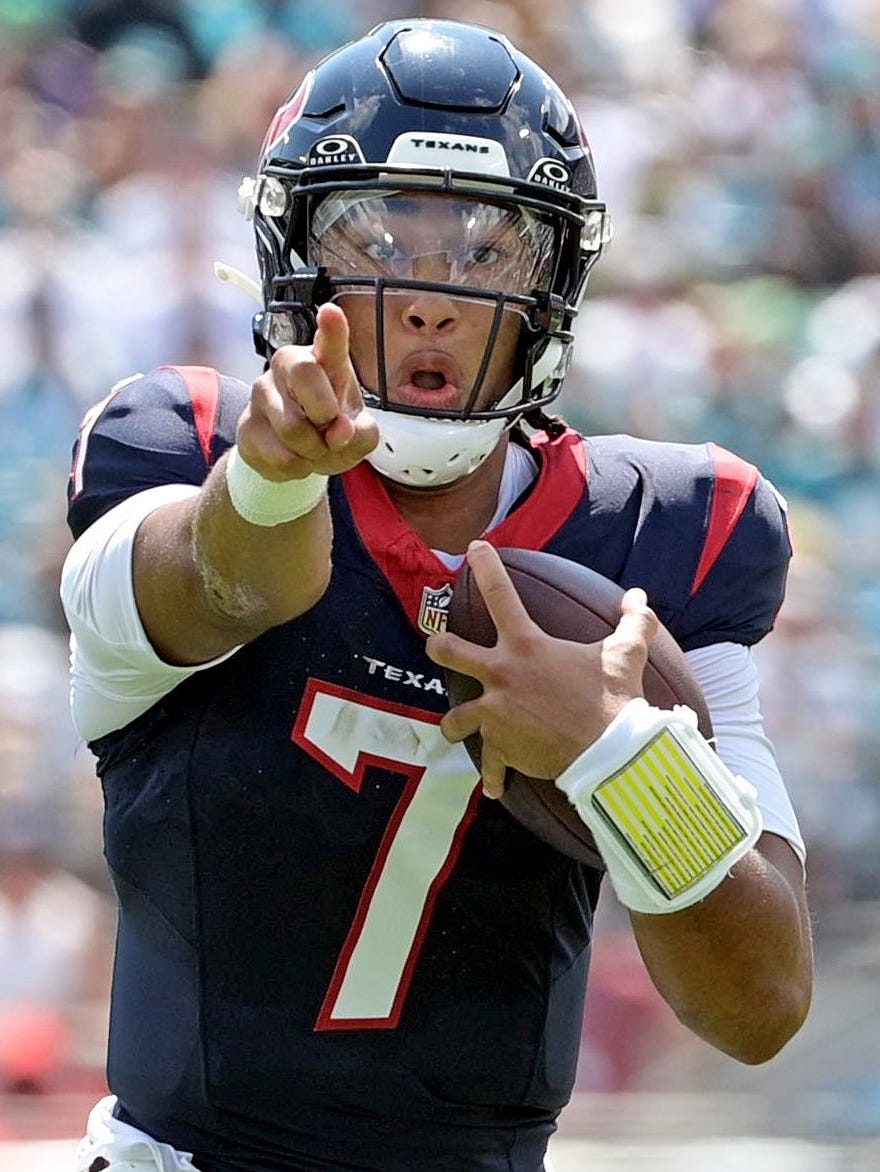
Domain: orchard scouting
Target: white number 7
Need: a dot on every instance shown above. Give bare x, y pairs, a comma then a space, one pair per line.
347, 732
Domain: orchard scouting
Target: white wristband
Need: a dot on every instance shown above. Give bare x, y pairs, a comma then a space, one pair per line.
270, 502
668, 816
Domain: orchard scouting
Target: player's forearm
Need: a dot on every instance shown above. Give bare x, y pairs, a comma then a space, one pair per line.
207, 580
737, 967
256, 574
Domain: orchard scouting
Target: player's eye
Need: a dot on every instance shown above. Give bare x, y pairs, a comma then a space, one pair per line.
486, 254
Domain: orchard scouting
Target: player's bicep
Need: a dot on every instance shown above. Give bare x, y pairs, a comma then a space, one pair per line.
170, 592
116, 671
96, 581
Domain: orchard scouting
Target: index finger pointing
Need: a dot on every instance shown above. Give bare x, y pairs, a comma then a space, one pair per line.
330, 346
504, 605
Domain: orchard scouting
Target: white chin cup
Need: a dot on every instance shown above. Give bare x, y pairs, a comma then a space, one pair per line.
417, 450
424, 452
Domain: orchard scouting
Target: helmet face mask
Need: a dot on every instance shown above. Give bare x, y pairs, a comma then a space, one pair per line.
431, 158
468, 379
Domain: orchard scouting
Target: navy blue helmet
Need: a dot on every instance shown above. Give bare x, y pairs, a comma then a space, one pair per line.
421, 108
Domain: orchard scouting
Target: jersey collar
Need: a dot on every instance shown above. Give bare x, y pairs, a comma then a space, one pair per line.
410, 565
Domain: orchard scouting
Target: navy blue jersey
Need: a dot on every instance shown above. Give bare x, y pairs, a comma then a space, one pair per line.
333, 953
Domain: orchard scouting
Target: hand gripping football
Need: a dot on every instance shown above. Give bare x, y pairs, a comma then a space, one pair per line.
572, 602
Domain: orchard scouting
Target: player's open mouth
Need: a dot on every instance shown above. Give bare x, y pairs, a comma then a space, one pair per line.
429, 380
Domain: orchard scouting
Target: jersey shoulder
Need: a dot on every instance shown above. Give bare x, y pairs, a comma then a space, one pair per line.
709, 530
165, 427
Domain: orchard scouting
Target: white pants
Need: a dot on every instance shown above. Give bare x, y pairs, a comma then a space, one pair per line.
128, 1149
125, 1148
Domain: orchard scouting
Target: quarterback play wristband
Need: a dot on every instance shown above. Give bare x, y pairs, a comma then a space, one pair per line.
668, 816
270, 502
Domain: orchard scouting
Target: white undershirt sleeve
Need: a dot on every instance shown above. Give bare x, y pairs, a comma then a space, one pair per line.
115, 673
728, 677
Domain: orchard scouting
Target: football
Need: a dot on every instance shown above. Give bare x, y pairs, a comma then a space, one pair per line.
572, 602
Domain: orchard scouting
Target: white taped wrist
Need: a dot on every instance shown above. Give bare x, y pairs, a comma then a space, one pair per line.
668, 816
270, 502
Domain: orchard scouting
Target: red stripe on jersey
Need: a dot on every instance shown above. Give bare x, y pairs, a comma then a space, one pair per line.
735, 481
409, 563
203, 385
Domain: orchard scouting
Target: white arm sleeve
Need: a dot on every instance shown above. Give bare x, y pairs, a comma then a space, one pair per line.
727, 674
115, 672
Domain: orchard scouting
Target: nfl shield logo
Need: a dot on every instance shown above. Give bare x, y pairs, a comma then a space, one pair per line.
434, 608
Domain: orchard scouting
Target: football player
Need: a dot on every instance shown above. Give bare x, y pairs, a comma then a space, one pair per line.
335, 950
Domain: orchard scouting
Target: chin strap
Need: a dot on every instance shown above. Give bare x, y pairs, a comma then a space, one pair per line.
234, 276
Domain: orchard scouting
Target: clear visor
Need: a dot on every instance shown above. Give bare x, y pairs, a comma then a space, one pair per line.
439, 239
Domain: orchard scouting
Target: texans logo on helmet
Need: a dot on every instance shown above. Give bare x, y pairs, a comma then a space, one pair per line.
287, 115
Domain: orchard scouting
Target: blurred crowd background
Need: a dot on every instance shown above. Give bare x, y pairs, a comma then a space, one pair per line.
737, 144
